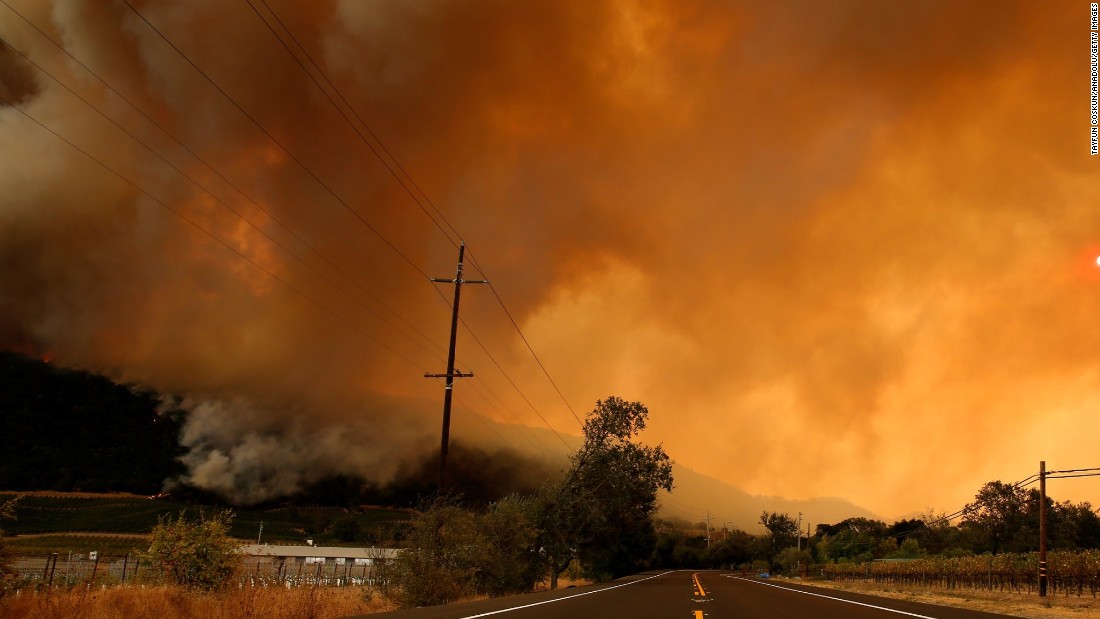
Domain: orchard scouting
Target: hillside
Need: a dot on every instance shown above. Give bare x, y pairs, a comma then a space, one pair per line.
71, 430
68, 430
696, 493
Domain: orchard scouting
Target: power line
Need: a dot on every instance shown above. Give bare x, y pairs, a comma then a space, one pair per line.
344, 115
213, 236
512, 382
516, 425
278, 143
526, 342
401, 181
223, 178
239, 215
348, 207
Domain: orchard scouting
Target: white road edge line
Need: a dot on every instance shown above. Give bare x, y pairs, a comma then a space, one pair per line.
829, 597
568, 597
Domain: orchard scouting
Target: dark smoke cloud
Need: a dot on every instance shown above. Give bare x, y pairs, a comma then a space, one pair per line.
17, 83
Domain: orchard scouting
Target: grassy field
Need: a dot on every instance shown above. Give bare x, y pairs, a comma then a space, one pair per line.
176, 603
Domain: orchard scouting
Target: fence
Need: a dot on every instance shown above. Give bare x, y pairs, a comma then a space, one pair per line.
70, 569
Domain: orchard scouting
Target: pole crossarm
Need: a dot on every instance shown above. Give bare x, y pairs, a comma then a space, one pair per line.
455, 375
445, 280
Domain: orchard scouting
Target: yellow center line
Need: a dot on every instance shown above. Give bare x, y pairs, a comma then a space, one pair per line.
698, 585
698, 614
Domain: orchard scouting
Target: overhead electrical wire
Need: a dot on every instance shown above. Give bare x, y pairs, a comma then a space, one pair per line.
210, 234
455, 242
527, 343
235, 212
311, 173
278, 143
942, 519
499, 407
407, 189
226, 179
217, 173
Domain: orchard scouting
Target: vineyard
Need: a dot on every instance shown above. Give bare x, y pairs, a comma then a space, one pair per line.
1068, 573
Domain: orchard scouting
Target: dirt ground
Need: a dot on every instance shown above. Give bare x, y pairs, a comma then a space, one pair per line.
1013, 604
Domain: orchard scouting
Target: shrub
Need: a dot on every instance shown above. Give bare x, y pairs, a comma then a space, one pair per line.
194, 553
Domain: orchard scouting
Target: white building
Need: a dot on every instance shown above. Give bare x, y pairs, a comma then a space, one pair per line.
327, 563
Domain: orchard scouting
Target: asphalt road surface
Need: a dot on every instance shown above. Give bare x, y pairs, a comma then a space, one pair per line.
690, 595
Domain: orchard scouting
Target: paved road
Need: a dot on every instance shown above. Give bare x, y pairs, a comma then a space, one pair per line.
690, 595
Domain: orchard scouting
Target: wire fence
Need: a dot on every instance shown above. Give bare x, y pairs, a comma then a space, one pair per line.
71, 569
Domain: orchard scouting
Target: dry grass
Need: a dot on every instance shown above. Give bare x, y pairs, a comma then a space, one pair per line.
1005, 603
164, 602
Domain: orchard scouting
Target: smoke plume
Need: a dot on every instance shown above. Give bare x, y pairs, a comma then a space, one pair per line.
839, 250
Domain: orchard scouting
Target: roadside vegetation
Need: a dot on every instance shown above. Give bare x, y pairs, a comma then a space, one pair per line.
992, 545
597, 522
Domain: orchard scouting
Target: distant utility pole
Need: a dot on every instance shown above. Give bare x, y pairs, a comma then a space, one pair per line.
798, 560
1042, 528
451, 375
708, 529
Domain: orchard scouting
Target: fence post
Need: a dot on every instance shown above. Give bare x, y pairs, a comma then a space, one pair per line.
95, 568
53, 567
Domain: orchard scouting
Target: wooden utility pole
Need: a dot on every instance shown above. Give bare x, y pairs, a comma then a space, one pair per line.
451, 375
1042, 528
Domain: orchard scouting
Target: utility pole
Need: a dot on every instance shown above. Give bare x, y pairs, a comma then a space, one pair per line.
451, 375
799, 531
798, 560
261, 533
708, 529
1042, 528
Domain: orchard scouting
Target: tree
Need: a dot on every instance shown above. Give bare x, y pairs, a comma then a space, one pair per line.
510, 561
782, 531
937, 534
791, 558
442, 561
194, 553
734, 549
1000, 519
601, 512
454, 552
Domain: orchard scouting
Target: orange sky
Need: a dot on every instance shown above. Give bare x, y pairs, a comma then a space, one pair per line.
838, 252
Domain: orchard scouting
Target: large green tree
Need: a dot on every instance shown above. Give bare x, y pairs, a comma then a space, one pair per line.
1000, 519
601, 513
782, 531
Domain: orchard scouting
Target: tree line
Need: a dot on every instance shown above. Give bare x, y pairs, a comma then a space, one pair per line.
1002, 518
